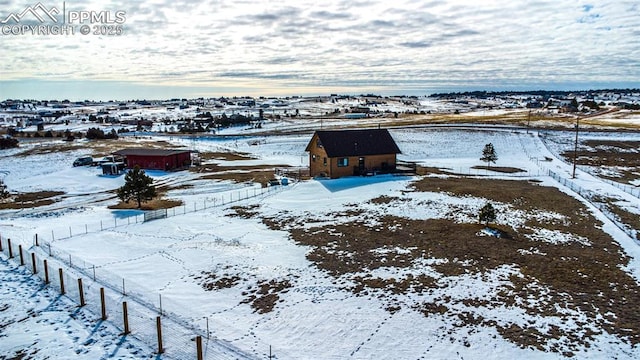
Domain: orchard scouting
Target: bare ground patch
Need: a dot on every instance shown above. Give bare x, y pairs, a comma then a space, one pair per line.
264, 298
30, 200
154, 204
631, 220
96, 148
621, 159
227, 156
210, 281
500, 169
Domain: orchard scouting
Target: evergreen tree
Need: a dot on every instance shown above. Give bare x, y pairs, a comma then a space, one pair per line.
7, 142
4, 193
487, 214
138, 186
489, 154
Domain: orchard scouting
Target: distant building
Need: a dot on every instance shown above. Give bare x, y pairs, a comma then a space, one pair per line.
338, 153
156, 159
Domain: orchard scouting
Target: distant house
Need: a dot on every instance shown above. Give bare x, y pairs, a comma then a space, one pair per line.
338, 153
156, 159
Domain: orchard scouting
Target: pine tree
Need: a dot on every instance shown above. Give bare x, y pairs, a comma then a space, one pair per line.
137, 186
489, 154
487, 214
4, 193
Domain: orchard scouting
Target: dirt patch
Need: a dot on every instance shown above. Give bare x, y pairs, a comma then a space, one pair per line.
237, 173
500, 169
429, 170
48, 148
245, 212
264, 299
154, 204
210, 281
257, 176
226, 156
631, 220
613, 160
30, 200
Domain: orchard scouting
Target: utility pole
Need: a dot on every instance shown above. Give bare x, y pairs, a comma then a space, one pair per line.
575, 148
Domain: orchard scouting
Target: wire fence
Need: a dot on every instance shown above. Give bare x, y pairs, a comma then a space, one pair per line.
629, 189
591, 198
223, 199
123, 304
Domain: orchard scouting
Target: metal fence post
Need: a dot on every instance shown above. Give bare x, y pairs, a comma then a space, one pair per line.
33, 263
10, 250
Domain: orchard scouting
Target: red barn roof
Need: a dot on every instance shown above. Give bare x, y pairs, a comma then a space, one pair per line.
148, 152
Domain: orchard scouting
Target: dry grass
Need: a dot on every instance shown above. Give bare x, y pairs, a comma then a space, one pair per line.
624, 216
236, 173
500, 169
227, 156
53, 147
245, 212
210, 281
258, 176
96, 148
154, 204
623, 157
264, 299
428, 170
568, 276
30, 200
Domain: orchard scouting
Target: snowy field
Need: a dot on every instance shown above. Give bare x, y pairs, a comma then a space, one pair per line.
316, 314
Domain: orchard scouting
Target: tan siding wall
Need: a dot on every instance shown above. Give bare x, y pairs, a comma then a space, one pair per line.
317, 167
370, 163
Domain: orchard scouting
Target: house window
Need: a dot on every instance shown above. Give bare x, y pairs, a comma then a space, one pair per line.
342, 162
313, 157
325, 161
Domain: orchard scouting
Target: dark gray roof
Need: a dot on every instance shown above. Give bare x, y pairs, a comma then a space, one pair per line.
148, 152
338, 143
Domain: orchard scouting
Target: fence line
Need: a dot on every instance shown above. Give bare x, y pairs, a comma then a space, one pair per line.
233, 196
588, 195
631, 190
80, 283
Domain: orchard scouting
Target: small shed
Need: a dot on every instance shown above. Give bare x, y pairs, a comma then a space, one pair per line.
112, 168
156, 159
337, 153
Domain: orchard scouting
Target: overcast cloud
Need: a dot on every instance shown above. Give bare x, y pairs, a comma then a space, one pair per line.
289, 47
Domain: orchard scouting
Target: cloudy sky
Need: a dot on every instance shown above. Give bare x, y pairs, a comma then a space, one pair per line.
179, 48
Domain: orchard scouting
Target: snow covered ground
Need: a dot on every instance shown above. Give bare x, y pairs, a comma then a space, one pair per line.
316, 315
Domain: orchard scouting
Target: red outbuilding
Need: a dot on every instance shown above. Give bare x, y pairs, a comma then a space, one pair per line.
156, 159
